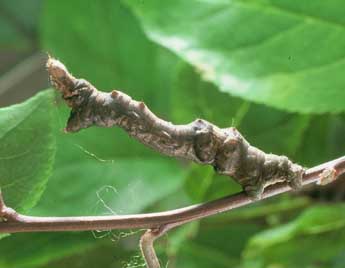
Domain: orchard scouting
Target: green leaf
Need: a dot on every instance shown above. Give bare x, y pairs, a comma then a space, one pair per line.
215, 246
27, 149
323, 140
315, 220
43, 247
323, 226
271, 207
194, 255
96, 188
178, 238
196, 98
286, 54
198, 181
109, 255
274, 131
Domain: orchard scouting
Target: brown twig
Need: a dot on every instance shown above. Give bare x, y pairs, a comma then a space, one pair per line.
157, 223
6, 214
147, 240
147, 249
23, 223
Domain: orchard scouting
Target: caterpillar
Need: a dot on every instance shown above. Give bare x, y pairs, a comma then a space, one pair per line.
254, 169
200, 141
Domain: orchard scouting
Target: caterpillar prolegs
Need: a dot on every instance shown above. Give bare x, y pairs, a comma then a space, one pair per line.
254, 169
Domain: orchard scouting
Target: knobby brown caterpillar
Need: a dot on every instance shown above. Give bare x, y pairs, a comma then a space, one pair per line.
254, 169
200, 141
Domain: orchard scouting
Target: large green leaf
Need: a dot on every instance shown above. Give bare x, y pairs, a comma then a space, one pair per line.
323, 140
196, 98
194, 255
274, 207
287, 54
43, 248
27, 149
109, 255
295, 244
215, 246
122, 187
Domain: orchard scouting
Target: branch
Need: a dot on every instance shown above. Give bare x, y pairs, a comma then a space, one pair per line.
147, 240
6, 214
21, 223
147, 249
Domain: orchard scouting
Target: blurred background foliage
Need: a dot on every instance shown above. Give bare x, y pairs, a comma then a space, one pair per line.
272, 68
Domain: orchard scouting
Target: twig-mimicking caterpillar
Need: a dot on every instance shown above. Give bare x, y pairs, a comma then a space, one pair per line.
200, 141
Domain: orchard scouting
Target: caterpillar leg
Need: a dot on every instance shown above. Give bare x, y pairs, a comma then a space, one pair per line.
295, 176
295, 183
254, 189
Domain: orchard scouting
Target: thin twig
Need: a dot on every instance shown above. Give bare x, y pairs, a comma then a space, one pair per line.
23, 223
147, 249
147, 240
6, 214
